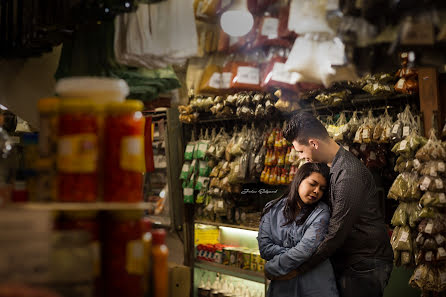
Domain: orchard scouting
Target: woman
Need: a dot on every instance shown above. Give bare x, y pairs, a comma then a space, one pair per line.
291, 229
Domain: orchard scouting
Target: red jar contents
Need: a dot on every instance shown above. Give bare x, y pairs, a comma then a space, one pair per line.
124, 152
124, 255
78, 151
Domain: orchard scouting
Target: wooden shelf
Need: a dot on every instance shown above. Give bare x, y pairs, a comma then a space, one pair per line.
254, 276
226, 225
74, 206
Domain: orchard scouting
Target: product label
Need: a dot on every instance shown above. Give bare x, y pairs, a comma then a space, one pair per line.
357, 135
417, 274
270, 27
185, 167
248, 75
426, 182
203, 147
443, 277
387, 133
441, 167
220, 204
428, 256
432, 171
215, 80
281, 74
188, 192
442, 198
372, 156
406, 131
441, 252
439, 239
135, 257
428, 228
365, 133
190, 148
404, 236
132, 153
226, 78
211, 149
439, 184
395, 128
78, 153
416, 164
403, 145
400, 83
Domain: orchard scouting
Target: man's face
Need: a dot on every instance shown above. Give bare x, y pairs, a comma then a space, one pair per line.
306, 151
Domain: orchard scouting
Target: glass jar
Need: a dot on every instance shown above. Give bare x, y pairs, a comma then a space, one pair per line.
48, 111
124, 255
77, 155
124, 152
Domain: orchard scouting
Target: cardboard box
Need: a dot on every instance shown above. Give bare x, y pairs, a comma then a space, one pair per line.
179, 280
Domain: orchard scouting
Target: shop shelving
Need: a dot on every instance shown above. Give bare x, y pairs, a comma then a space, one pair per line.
226, 225
232, 271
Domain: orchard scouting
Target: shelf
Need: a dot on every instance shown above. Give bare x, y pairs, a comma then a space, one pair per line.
232, 271
226, 225
73, 206
160, 219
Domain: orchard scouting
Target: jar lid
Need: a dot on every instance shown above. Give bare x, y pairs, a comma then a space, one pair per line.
99, 89
126, 106
76, 104
50, 104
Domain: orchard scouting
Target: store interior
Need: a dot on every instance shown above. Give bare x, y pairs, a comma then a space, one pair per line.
140, 140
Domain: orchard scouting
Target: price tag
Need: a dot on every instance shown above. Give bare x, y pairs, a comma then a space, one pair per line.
248, 75
442, 198
270, 27
400, 83
211, 149
416, 164
406, 131
404, 236
439, 184
428, 256
403, 145
441, 167
387, 133
428, 228
215, 80
190, 148
188, 191
281, 74
372, 156
395, 128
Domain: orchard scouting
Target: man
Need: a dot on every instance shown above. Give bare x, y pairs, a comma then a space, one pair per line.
357, 241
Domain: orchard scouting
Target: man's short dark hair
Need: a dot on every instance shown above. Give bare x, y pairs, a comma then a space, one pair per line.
304, 126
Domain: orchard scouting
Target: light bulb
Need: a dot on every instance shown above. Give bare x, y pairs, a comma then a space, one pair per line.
236, 22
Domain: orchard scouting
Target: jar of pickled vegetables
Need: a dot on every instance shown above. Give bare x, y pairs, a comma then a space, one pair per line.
77, 155
124, 255
124, 152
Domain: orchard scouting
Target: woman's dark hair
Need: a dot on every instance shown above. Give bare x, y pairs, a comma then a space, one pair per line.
294, 204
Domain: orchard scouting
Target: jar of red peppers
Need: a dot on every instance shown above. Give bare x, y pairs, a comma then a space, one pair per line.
124, 152
77, 155
124, 255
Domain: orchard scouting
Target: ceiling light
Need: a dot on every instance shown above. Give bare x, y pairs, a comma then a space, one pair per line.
237, 20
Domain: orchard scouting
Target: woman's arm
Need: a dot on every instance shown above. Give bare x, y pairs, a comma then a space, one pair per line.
268, 249
288, 261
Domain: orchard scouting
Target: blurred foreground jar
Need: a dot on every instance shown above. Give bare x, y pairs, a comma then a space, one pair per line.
48, 111
124, 152
77, 154
124, 255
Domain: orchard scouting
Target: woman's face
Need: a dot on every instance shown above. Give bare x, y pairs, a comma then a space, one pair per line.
312, 188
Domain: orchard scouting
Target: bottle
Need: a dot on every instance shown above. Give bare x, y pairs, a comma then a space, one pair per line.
160, 273
147, 244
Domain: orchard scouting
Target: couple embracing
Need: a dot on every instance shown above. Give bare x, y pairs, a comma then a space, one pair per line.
325, 237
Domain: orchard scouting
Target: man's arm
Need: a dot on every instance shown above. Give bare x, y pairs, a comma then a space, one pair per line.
268, 249
288, 261
349, 197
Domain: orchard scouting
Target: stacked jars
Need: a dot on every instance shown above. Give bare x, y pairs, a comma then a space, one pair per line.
124, 255
77, 155
124, 152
